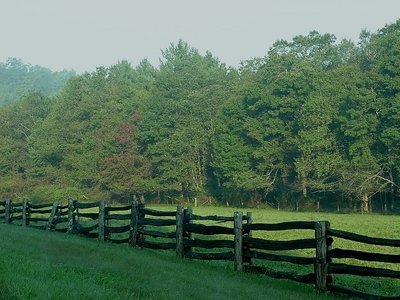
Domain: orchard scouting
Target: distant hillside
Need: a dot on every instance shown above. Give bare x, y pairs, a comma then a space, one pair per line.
17, 78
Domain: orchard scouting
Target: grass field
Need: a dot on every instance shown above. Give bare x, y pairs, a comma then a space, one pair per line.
36, 264
373, 225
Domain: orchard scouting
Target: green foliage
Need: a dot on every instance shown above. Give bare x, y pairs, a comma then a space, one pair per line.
50, 193
179, 120
88, 140
315, 119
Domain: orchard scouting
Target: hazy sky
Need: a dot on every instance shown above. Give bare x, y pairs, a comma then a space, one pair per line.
84, 34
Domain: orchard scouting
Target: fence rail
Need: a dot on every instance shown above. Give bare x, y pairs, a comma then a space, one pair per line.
363, 239
212, 238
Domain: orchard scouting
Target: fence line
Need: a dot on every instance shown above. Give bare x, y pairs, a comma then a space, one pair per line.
179, 230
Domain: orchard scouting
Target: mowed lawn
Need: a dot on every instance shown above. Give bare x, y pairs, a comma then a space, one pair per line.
36, 264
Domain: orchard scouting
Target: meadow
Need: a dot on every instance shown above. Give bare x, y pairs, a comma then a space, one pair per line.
373, 225
38, 264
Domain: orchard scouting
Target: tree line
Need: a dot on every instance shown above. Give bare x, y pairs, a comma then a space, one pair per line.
17, 78
315, 119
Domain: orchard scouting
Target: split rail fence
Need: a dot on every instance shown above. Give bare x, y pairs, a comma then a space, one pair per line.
212, 238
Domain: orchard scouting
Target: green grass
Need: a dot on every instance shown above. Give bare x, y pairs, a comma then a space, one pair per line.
36, 264
373, 225
104, 271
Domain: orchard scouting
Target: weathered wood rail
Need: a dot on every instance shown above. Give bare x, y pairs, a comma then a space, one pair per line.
351, 269
213, 238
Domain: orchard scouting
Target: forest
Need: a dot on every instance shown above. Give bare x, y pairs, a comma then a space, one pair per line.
315, 119
17, 78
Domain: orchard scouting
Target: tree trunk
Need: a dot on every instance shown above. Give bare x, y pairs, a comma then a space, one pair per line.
304, 186
385, 210
304, 191
365, 203
391, 192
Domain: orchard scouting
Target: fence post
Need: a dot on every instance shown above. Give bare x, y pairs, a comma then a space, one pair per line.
133, 231
107, 222
8, 211
249, 221
329, 242
101, 221
321, 263
141, 227
70, 215
50, 224
25, 213
180, 218
187, 219
238, 221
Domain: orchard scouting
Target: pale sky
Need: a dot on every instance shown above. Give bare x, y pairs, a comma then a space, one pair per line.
85, 34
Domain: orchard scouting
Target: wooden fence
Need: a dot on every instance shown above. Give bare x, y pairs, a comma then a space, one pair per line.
212, 238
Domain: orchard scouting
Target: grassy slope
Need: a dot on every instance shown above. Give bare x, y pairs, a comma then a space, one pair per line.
35, 264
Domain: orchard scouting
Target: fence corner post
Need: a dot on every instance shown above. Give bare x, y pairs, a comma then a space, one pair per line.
238, 240
321, 262
180, 218
8, 211
50, 223
101, 221
71, 215
133, 231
